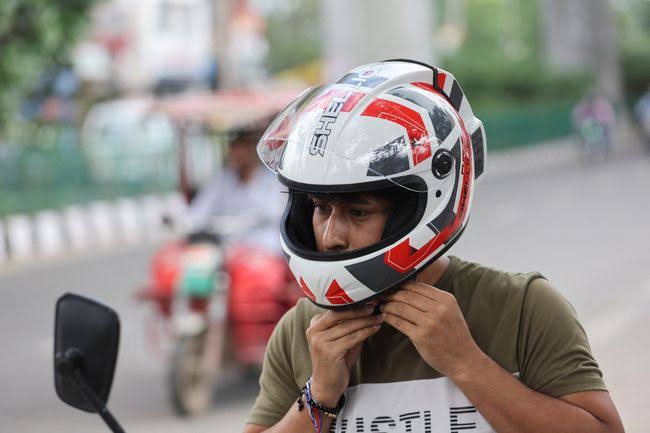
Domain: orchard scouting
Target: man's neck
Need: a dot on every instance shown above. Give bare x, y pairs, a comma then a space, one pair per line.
432, 274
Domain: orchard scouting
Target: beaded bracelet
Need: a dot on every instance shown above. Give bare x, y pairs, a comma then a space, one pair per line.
316, 409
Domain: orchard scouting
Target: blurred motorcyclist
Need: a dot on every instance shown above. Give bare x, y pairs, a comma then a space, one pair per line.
594, 120
233, 281
243, 188
595, 106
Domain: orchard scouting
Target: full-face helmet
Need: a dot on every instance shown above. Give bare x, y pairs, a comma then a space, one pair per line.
393, 124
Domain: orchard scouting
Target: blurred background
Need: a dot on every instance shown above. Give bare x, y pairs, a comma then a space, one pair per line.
115, 114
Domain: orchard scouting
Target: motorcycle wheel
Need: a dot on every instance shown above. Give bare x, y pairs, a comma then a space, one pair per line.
192, 376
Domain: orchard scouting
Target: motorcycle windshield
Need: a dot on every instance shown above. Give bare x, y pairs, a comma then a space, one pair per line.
302, 139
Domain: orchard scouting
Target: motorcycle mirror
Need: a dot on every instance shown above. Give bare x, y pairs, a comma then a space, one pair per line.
86, 340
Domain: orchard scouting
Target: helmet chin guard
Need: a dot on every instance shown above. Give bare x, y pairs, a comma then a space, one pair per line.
396, 124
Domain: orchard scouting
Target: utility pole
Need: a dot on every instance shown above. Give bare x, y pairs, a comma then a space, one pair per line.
364, 31
580, 35
604, 51
455, 12
222, 12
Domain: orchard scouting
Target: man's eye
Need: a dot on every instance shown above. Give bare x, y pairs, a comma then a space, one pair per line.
321, 208
357, 213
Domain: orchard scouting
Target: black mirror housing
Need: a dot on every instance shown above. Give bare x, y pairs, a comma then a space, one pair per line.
86, 341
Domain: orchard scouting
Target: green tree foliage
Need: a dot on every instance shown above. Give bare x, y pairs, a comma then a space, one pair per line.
294, 35
34, 34
500, 61
634, 25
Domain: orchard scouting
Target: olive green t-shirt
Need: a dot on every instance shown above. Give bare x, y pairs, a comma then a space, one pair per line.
518, 320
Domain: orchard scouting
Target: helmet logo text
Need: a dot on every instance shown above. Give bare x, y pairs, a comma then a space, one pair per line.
331, 114
323, 130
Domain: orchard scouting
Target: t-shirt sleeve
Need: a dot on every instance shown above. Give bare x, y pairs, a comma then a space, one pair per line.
278, 389
553, 350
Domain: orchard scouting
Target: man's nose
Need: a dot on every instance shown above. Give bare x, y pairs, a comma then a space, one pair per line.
335, 237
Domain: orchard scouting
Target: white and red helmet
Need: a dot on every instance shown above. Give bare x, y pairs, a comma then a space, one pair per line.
394, 124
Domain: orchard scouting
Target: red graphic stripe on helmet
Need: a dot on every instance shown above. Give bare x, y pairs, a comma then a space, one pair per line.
441, 80
306, 290
278, 137
430, 88
425, 86
352, 101
403, 257
336, 295
323, 101
409, 119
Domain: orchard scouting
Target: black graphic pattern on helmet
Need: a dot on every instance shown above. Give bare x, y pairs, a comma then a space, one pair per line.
441, 120
375, 274
478, 148
389, 159
456, 95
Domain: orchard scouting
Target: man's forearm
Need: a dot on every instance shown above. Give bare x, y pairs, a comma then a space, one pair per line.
511, 407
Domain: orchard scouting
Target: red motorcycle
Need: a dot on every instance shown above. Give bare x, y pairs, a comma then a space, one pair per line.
217, 305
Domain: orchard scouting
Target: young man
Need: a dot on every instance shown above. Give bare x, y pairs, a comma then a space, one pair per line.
396, 336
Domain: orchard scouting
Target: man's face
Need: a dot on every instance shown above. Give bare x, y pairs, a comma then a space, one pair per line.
242, 154
348, 222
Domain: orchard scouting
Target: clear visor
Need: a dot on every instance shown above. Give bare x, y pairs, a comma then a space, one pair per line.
389, 141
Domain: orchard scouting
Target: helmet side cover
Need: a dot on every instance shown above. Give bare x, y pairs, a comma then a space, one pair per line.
383, 122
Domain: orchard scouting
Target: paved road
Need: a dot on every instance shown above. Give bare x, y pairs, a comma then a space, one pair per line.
586, 229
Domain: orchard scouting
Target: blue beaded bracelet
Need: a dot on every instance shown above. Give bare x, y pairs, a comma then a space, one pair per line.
316, 410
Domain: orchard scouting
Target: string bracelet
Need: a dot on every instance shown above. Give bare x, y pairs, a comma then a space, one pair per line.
317, 410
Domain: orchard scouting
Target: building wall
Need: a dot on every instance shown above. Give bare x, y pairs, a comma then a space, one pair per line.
162, 39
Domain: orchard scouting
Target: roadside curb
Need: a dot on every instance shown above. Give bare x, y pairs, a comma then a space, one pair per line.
87, 227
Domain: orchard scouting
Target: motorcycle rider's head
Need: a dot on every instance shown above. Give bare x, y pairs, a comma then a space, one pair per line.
242, 157
380, 169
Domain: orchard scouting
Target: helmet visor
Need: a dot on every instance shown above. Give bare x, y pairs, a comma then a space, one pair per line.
389, 141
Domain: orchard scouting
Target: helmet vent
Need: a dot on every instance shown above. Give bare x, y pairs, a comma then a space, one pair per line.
443, 162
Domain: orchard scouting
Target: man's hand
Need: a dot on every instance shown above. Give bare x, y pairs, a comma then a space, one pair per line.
432, 320
335, 340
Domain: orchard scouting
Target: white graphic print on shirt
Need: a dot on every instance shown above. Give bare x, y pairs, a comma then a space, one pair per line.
416, 406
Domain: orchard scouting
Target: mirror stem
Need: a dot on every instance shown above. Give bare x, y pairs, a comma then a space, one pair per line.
102, 410
69, 364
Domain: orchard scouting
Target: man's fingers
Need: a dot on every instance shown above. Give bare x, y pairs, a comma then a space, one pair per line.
430, 292
404, 326
331, 317
350, 326
403, 310
348, 341
412, 298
